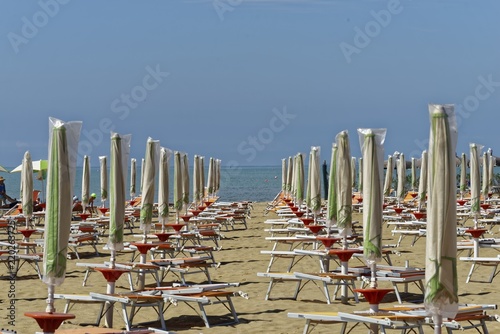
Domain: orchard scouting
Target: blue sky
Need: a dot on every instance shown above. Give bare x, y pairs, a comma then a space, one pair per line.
246, 81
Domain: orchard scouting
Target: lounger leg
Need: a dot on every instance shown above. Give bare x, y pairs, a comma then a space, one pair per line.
125, 317
470, 272
396, 291
87, 274
204, 315
327, 293
233, 311
493, 273
269, 288
297, 289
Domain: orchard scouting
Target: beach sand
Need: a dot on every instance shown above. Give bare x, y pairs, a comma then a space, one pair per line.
240, 260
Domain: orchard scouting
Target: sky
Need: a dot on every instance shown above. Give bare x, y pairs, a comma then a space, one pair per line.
247, 81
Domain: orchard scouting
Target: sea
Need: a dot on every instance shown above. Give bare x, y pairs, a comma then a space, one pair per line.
256, 184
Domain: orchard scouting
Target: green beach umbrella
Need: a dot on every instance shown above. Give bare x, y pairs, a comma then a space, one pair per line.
27, 187
103, 166
178, 183
388, 176
372, 141
463, 175
133, 172
218, 164
331, 209
422, 186
63, 149
475, 184
148, 187
85, 182
401, 191
163, 187
343, 183
441, 284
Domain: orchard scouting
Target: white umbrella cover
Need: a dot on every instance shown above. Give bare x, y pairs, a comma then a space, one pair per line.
372, 141
178, 183
343, 185
103, 166
441, 285
63, 149
401, 191
463, 175
485, 176
422, 185
148, 186
133, 172
185, 180
299, 179
27, 187
315, 182
85, 182
163, 187
331, 217
475, 185
388, 176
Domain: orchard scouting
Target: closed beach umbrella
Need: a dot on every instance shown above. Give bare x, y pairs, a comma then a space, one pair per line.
331, 215
299, 179
491, 175
27, 187
372, 141
475, 183
202, 177
360, 175
289, 177
441, 285
422, 186
401, 191
178, 183
63, 146
185, 180
196, 181
85, 182
218, 164
163, 187
315, 183
388, 176
133, 172
353, 171
463, 175
485, 175
148, 187
103, 164
119, 153
413, 174
283, 176
344, 186
142, 174
211, 177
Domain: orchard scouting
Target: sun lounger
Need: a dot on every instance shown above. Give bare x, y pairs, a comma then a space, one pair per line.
492, 262
135, 301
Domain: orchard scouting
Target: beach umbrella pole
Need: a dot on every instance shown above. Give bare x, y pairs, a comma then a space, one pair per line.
110, 289
438, 322
50, 299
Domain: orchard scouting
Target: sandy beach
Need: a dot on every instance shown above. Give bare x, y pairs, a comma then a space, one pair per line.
240, 260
